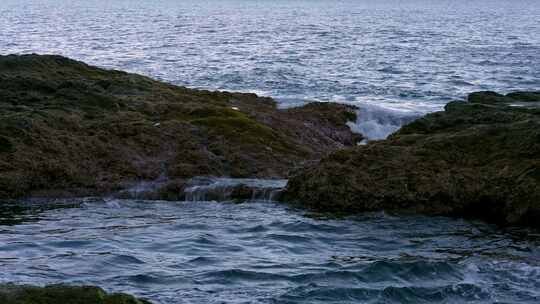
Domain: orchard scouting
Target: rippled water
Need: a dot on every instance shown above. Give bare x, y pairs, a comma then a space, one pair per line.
412, 55
207, 252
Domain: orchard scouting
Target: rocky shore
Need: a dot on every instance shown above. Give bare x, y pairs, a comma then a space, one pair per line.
476, 159
62, 294
70, 129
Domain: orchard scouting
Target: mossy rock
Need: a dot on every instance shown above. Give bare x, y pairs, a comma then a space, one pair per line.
75, 126
525, 96
56, 294
5, 145
476, 159
489, 97
236, 126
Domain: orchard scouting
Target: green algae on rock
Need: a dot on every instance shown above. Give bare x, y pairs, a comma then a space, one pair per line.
476, 159
62, 294
67, 128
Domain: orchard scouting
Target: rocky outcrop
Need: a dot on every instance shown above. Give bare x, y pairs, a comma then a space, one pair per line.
67, 128
57, 294
479, 159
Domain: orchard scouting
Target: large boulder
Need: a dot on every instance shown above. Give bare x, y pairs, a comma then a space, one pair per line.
67, 128
478, 159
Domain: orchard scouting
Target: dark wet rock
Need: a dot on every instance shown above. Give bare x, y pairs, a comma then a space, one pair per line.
5, 145
489, 97
525, 96
69, 129
62, 294
476, 159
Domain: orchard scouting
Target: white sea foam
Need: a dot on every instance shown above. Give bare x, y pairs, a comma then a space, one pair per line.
140, 189
292, 102
377, 118
260, 93
375, 122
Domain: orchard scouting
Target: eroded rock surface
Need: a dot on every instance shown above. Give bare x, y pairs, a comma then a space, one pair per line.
67, 128
479, 159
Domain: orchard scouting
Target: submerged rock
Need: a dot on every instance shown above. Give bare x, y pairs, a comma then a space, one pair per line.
476, 159
62, 294
67, 128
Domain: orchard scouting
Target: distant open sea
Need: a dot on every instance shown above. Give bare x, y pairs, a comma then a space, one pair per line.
395, 58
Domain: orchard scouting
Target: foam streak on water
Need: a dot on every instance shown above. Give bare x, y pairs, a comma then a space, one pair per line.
203, 252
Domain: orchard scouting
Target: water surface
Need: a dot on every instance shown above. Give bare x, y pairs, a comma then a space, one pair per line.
262, 252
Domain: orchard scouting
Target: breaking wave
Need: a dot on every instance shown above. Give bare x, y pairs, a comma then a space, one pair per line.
375, 122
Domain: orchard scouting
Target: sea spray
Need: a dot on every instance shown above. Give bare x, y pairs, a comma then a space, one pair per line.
377, 122
144, 189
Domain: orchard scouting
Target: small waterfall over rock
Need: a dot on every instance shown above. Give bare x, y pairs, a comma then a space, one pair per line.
228, 189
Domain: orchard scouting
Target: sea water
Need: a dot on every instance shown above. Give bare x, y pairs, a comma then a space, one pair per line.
265, 252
